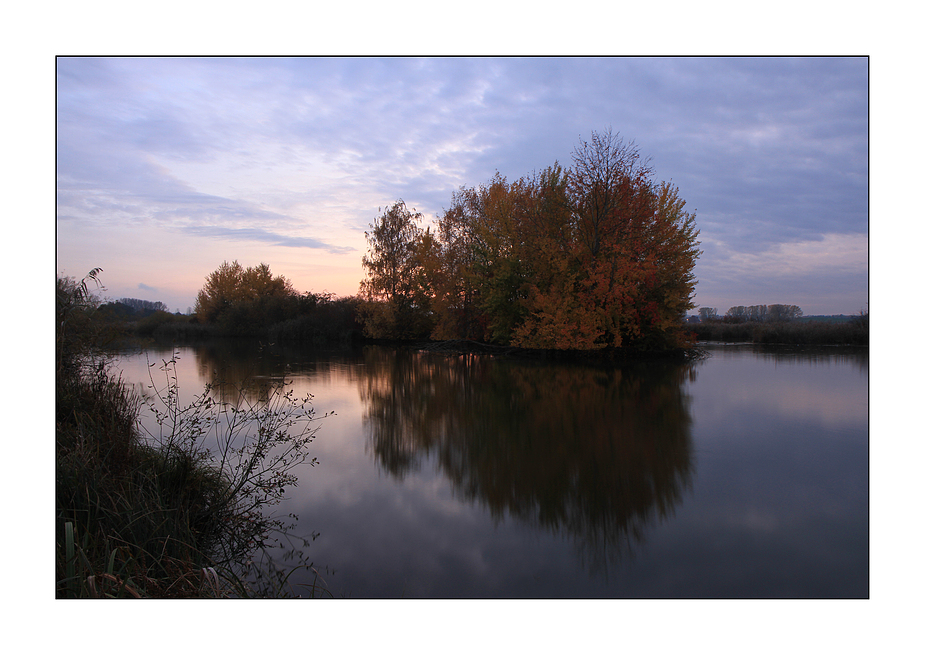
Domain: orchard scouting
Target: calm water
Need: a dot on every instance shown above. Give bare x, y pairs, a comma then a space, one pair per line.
742, 475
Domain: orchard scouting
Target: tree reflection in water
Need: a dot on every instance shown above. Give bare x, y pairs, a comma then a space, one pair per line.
244, 370
595, 453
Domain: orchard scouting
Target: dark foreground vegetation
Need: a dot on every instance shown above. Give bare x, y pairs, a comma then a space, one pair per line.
854, 332
163, 515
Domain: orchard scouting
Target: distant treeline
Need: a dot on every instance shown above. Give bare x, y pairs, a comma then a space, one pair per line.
142, 306
306, 318
130, 309
757, 313
227, 307
242, 302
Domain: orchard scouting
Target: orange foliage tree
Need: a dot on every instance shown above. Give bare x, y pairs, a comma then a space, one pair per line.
593, 257
626, 277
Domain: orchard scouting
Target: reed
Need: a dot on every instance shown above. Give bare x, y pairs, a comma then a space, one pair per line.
854, 333
160, 515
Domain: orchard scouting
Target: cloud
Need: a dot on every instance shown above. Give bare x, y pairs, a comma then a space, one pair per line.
833, 253
770, 152
145, 287
828, 275
263, 236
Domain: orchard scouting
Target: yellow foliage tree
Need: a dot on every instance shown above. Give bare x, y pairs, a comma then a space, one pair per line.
231, 286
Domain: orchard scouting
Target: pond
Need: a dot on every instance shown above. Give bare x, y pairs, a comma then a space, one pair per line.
744, 474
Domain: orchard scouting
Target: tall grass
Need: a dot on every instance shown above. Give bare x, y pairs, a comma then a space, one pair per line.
854, 332
163, 515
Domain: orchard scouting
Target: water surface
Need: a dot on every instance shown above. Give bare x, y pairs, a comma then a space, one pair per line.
742, 475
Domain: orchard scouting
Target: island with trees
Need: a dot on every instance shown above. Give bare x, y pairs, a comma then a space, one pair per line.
596, 258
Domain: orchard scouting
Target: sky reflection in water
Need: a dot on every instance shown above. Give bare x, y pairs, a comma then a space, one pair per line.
745, 475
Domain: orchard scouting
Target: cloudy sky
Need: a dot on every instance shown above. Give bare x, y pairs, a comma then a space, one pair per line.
166, 167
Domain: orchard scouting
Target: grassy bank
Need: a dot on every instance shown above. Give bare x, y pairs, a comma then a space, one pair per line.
854, 332
131, 520
159, 515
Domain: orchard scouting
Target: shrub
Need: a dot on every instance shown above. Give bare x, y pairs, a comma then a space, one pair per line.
163, 515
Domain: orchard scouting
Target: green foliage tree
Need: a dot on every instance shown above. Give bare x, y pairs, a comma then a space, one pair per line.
395, 289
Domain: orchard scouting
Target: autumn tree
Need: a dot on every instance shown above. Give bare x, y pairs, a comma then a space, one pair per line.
542, 250
221, 289
609, 189
449, 269
493, 247
259, 282
478, 274
502, 264
670, 250
592, 257
245, 299
395, 287
620, 273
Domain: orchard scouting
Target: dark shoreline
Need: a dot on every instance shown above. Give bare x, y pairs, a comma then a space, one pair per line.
855, 332
469, 347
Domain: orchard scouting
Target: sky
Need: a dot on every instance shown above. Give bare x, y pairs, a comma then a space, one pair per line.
166, 167
146, 152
